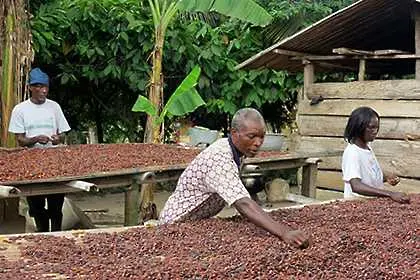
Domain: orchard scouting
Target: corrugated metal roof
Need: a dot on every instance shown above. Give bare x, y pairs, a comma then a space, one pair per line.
366, 25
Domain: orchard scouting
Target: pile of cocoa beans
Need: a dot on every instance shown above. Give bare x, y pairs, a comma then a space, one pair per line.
369, 239
79, 160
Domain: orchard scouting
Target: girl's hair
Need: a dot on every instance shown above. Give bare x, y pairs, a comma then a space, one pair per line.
358, 122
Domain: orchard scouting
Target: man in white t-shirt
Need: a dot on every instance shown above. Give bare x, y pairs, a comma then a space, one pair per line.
40, 123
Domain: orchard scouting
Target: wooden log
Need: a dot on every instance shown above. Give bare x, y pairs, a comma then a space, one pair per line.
362, 69
390, 128
408, 186
2, 210
349, 51
319, 145
385, 108
333, 65
331, 163
82, 185
147, 206
308, 77
131, 207
382, 148
356, 57
406, 166
399, 157
289, 53
11, 208
333, 180
309, 177
417, 37
390, 89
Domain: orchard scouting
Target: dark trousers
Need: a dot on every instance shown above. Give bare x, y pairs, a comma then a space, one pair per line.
42, 216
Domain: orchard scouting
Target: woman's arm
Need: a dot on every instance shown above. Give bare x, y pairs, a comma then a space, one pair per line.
358, 187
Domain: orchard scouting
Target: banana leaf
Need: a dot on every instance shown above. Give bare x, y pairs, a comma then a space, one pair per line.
185, 99
144, 105
247, 10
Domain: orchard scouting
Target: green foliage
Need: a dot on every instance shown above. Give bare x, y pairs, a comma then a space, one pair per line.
219, 50
184, 100
97, 53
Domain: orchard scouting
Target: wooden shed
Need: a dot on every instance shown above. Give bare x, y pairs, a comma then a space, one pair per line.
379, 42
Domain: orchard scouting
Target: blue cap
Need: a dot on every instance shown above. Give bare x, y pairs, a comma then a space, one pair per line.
36, 76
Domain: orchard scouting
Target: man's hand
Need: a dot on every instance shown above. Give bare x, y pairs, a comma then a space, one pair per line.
399, 197
43, 139
297, 239
250, 209
392, 179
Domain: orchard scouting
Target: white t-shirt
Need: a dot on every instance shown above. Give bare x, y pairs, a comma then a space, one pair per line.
38, 119
362, 164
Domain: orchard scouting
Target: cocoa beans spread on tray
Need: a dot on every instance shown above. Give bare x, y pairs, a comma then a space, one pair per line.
78, 160
371, 239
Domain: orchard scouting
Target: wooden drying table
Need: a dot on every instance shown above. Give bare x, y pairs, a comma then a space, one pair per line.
132, 179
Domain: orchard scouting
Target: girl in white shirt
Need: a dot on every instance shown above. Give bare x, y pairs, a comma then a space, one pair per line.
361, 171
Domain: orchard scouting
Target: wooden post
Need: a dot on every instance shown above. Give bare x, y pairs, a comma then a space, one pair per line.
10, 220
308, 77
309, 176
2, 210
417, 37
362, 69
131, 210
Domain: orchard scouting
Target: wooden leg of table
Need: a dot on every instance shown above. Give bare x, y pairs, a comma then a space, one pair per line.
309, 174
148, 210
10, 220
131, 214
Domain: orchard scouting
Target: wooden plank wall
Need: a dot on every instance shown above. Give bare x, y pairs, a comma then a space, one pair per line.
321, 126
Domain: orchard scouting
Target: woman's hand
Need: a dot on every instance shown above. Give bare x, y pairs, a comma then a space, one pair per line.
392, 179
400, 197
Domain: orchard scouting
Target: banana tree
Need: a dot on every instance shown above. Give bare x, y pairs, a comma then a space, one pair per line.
15, 57
163, 12
184, 100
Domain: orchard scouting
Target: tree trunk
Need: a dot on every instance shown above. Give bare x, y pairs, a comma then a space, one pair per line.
98, 121
152, 131
16, 55
8, 97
